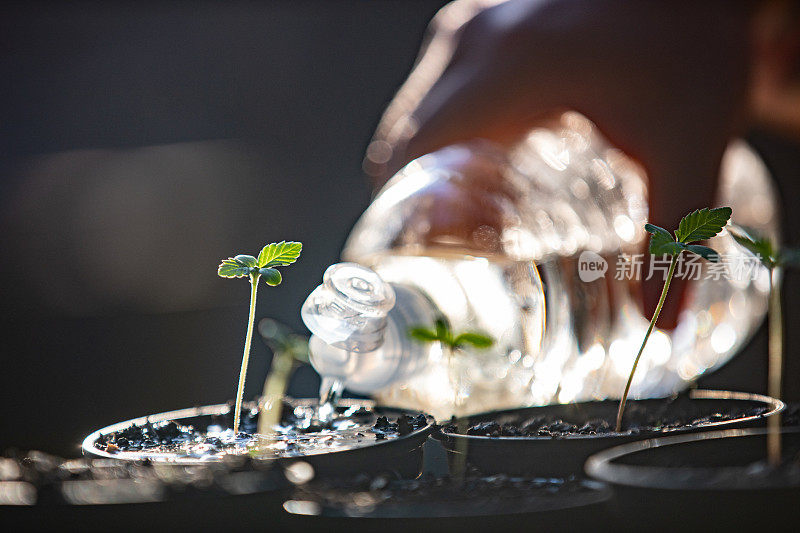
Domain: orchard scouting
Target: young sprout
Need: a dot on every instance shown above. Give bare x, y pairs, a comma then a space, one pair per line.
769, 256
272, 255
774, 259
289, 351
696, 226
442, 334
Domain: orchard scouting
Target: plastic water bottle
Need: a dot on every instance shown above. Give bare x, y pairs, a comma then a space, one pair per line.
529, 246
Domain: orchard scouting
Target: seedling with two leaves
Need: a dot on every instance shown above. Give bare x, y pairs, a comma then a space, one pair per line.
774, 259
697, 226
442, 333
450, 341
289, 351
453, 343
273, 255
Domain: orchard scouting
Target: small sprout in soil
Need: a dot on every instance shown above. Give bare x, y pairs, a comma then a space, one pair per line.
774, 259
272, 255
289, 352
442, 333
452, 342
696, 226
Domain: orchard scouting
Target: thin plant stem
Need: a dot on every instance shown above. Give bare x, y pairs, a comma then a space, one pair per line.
246, 356
653, 320
453, 379
459, 464
775, 328
275, 386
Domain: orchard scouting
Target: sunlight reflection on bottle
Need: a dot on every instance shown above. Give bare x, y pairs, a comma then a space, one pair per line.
494, 239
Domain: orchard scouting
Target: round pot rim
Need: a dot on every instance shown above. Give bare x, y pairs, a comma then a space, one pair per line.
88, 447
775, 406
601, 465
439, 508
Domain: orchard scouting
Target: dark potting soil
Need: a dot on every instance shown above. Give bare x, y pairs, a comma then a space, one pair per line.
428, 495
679, 412
211, 437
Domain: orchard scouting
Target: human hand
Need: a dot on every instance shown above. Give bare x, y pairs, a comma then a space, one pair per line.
666, 84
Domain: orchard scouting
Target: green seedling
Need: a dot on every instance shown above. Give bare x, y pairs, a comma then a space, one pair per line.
451, 342
442, 333
774, 259
289, 352
697, 226
265, 266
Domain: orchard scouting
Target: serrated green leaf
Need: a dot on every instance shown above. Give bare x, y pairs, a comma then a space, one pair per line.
669, 248
271, 276
279, 254
652, 228
759, 246
662, 243
705, 252
246, 260
478, 340
423, 334
232, 269
702, 224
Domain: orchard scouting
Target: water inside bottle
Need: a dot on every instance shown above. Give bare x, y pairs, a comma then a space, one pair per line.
496, 297
558, 338
548, 233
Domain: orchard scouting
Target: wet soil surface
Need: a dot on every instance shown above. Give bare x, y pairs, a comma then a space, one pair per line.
210, 437
675, 413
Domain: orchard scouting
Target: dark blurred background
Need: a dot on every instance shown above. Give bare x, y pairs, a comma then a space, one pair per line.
142, 143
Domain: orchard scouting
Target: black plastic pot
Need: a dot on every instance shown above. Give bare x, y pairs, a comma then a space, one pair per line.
470, 504
696, 481
44, 493
562, 456
401, 455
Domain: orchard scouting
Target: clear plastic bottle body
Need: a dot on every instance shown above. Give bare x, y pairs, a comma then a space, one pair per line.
496, 241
